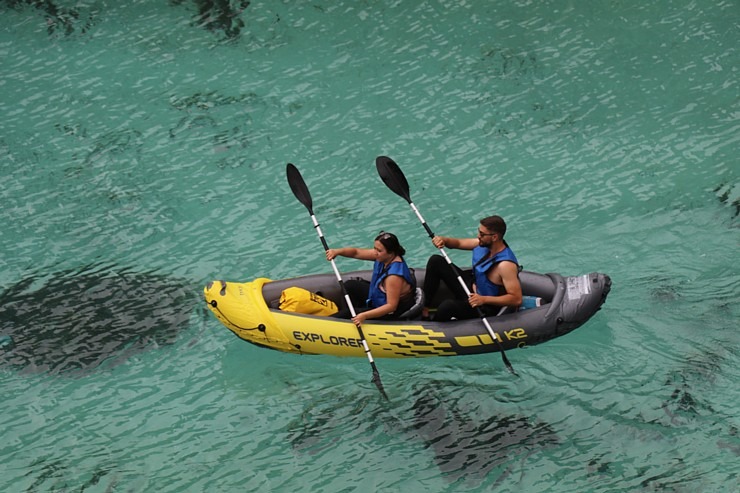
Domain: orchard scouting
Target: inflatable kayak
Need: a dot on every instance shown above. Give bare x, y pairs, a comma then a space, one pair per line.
250, 310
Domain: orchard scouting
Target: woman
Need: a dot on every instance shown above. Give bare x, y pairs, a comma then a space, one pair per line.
391, 290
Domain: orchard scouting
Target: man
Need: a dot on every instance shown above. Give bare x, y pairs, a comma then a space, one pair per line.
494, 276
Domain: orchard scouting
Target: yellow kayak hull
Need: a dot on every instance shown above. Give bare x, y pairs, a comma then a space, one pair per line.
243, 309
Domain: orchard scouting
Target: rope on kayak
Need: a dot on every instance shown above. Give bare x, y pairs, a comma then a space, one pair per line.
214, 304
260, 327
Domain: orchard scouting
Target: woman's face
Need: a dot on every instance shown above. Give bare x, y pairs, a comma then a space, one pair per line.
381, 254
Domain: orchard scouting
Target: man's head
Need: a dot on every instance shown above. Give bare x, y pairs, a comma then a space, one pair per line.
491, 229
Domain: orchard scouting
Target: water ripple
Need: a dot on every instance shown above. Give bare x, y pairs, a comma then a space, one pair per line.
145, 135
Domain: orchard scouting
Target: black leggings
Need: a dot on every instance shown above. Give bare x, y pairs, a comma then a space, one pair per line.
438, 270
359, 291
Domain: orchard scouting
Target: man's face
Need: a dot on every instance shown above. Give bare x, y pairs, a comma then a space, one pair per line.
485, 236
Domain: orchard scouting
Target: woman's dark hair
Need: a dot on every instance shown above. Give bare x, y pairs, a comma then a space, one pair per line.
390, 242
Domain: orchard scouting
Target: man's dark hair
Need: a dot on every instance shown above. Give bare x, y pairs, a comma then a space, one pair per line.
495, 224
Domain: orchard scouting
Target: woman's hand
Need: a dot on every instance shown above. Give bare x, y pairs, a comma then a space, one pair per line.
360, 318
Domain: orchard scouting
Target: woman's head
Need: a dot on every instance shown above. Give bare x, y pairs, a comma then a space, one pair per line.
390, 243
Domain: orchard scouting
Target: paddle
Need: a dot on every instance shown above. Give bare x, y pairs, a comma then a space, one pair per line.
393, 177
300, 190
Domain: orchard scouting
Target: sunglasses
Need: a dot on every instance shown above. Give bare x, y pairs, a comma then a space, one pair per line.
481, 233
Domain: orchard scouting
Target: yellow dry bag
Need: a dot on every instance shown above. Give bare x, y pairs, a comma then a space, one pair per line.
300, 300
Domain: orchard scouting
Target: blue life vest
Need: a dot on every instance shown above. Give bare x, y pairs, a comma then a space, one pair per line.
376, 296
481, 266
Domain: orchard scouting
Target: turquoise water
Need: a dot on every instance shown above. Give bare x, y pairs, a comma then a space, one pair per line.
144, 139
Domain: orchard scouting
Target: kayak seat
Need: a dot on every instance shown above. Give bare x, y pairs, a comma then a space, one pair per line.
414, 311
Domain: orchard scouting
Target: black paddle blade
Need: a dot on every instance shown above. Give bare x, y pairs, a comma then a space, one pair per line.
378, 383
298, 186
393, 177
